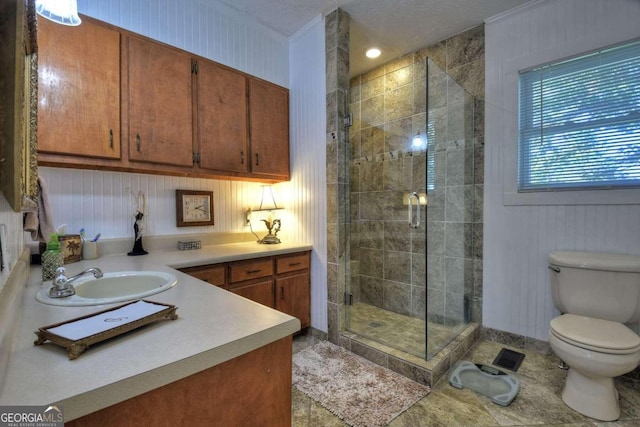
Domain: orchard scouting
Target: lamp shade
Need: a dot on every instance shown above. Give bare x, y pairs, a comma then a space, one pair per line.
267, 200
63, 12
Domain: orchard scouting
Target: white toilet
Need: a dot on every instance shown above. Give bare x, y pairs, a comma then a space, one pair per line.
596, 293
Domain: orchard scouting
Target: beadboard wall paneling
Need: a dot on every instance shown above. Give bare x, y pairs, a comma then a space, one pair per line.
517, 239
308, 156
102, 202
14, 243
206, 28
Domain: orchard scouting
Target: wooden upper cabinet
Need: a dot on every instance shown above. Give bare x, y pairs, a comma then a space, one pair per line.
79, 89
159, 103
269, 129
222, 118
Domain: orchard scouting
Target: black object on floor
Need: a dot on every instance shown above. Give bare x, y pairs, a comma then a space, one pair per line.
509, 359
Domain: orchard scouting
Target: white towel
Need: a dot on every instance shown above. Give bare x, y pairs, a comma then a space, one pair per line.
40, 222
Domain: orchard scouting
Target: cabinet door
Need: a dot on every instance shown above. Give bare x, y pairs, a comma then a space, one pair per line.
222, 118
79, 89
260, 292
159, 104
269, 129
293, 296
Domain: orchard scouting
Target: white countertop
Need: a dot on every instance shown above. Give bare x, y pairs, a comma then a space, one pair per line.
213, 326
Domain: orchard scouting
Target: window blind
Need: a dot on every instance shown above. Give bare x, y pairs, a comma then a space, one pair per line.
579, 122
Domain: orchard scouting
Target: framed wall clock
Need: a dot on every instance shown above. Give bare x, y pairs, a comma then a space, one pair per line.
194, 208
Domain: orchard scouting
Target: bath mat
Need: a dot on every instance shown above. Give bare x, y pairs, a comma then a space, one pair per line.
509, 359
359, 392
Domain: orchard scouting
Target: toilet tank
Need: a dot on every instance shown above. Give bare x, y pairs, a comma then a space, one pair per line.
601, 285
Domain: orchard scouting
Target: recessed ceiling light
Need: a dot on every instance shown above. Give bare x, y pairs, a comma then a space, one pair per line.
373, 52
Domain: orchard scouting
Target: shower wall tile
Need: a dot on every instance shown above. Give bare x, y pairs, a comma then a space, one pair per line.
371, 234
397, 297
458, 237
371, 291
371, 142
355, 90
435, 271
395, 210
398, 78
371, 262
478, 199
459, 204
465, 47
402, 62
471, 76
459, 273
398, 103
435, 238
419, 270
454, 309
372, 111
398, 134
418, 302
332, 283
397, 236
397, 266
371, 207
436, 52
398, 175
420, 97
371, 88
371, 176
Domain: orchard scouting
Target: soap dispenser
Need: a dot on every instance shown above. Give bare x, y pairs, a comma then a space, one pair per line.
52, 258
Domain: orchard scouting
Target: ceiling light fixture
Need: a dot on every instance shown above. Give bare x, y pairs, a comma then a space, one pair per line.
63, 12
373, 52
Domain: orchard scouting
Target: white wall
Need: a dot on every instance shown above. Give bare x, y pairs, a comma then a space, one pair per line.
308, 155
11, 223
519, 234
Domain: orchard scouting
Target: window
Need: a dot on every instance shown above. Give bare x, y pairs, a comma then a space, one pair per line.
580, 122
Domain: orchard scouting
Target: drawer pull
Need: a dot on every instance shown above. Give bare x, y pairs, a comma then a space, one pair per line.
110, 138
253, 271
242, 157
293, 264
138, 143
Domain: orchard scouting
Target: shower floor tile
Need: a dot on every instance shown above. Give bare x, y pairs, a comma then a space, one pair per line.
401, 332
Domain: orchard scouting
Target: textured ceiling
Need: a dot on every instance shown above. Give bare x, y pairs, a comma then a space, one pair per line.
396, 26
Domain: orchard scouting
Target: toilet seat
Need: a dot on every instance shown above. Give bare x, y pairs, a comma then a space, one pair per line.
603, 336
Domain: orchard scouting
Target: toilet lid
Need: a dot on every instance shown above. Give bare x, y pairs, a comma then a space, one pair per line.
598, 335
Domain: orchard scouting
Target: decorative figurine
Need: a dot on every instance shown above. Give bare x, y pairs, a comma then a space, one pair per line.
138, 225
271, 238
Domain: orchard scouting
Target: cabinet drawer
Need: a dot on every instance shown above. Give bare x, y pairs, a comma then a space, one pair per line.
240, 271
210, 274
287, 263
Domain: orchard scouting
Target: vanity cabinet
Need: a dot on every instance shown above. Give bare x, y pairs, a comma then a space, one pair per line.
281, 282
292, 280
159, 104
79, 90
253, 280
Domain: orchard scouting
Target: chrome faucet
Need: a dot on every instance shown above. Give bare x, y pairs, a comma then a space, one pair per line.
97, 273
62, 286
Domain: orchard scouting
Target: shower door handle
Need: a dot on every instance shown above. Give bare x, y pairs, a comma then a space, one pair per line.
412, 223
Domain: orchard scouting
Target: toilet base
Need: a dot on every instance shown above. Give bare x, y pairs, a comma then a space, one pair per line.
594, 397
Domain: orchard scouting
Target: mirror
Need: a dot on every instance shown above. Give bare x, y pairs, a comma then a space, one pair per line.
19, 103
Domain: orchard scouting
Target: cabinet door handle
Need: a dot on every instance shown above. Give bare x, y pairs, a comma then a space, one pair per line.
242, 157
282, 293
257, 160
293, 264
253, 271
138, 142
110, 138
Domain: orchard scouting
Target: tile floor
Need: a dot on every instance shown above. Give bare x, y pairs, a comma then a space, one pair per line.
538, 403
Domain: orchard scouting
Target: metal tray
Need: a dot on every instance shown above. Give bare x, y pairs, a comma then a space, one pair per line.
75, 347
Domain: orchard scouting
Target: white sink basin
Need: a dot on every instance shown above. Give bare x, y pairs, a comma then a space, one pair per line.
112, 287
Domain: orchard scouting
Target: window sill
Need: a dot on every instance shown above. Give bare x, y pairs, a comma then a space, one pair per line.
573, 197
